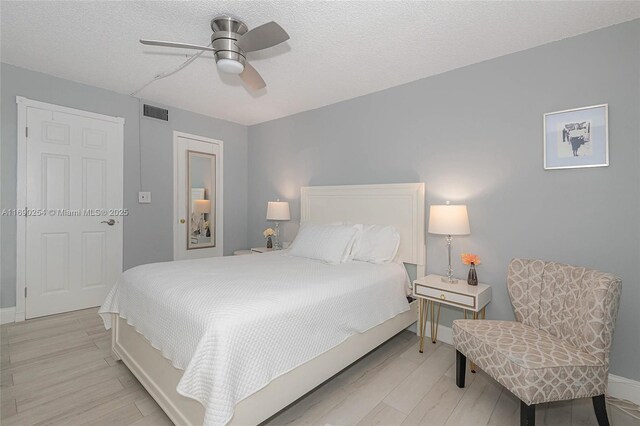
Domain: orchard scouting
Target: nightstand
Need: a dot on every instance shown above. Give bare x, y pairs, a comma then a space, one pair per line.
260, 249
431, 291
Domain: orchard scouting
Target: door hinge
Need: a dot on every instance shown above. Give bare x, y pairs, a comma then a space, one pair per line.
25, 292
26, 132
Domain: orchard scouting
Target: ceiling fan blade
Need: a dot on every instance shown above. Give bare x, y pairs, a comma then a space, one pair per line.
173, 44
251, 78
266, 35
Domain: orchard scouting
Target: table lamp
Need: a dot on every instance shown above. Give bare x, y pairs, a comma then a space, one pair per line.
278, 211
201, 208
449, 220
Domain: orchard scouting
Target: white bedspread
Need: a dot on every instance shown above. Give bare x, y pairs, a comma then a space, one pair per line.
234, 324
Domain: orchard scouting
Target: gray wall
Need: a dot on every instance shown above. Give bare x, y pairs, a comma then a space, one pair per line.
474, 136
148, 230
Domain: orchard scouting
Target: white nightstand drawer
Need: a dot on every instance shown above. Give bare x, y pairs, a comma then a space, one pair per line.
433, 291
445, 296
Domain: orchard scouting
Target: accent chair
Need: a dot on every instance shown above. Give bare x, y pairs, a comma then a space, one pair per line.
558, 347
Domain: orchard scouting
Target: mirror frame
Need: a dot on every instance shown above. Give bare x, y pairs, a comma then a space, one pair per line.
211, 196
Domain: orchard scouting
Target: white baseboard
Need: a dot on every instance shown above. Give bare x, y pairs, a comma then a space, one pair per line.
445, 334
7, 315
619, 387
623, 388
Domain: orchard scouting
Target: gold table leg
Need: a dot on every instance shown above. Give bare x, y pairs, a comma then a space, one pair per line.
434, 322
422, 322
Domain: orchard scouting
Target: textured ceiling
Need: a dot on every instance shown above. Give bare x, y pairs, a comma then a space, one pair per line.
337, 50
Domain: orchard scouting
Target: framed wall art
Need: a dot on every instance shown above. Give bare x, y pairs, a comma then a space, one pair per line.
576, 138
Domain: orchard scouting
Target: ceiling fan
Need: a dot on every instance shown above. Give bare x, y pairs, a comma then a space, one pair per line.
230, 42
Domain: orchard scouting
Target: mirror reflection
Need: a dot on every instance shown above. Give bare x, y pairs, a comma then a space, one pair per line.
201, 170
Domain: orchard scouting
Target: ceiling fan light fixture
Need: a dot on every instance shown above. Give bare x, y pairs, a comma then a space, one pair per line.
231, 40
230, 66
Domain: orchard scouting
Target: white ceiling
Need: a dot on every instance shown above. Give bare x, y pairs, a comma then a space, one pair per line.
337, 50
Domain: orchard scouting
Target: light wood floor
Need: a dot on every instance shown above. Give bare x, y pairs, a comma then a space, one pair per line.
59, 370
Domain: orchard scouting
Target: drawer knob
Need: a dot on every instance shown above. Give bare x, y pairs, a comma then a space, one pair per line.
443, 297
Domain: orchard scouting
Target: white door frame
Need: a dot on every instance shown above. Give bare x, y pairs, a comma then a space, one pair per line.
21, 228
219, 183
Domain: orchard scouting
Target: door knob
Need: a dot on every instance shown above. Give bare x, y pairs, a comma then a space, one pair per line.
109, 222
182, 221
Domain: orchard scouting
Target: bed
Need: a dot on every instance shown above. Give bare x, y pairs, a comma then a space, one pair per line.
263, 337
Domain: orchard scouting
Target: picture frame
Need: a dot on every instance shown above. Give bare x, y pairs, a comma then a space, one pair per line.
576, 138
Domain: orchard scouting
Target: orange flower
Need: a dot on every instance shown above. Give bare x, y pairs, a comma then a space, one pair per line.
468, 259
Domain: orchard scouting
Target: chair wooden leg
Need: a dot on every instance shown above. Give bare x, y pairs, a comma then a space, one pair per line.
527, 414
600, 407
461, 368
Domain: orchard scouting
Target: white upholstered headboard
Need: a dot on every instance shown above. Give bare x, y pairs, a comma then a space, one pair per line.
400, 205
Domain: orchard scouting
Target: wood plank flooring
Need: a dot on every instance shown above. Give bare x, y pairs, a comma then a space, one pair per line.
58, 370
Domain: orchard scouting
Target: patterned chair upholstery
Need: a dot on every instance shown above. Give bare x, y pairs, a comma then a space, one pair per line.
558, 347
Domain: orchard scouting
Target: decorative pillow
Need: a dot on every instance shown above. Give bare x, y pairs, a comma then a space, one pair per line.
328, 243
377, 244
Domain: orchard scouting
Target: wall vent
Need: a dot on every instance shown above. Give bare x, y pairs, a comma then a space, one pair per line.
155, 112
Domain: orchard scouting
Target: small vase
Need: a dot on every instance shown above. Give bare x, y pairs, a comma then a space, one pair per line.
269, 242
472, 278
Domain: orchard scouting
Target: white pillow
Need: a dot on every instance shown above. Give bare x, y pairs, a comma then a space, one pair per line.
377, 244
328, 243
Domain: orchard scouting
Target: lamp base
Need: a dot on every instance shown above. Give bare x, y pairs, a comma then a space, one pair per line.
277, 245
449, 278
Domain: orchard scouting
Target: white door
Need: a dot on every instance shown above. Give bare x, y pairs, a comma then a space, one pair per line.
74, 184
197, 197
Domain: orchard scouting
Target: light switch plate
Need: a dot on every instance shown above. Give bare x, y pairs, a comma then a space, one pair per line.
144, 197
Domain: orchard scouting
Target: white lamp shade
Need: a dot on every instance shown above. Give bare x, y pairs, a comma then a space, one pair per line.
202, 206
449, 220
278, 210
